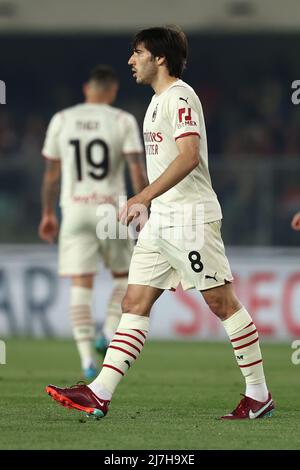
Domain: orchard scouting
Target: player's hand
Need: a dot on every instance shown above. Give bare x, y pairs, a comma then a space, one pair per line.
48, 228
296, 221
135, 208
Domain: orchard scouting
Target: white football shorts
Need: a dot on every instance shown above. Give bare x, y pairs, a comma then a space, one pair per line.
163, 258
79, 248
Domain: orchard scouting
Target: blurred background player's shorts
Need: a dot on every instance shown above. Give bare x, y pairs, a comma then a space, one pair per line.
80, 249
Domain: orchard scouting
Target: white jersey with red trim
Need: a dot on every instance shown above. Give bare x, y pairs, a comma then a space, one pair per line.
175, 113
91, 140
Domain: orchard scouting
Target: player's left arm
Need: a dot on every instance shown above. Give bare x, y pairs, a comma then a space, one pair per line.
185, 162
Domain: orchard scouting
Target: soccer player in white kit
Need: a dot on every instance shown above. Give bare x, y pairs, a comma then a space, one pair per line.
177, 167
88, 144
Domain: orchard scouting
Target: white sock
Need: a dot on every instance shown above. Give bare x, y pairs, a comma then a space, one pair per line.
114, 310
244, 338
82, 324
122, 352
100, 390
258, 392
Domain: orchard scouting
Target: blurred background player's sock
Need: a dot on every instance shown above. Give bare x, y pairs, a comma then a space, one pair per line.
244, 339
122, 352
113, 315
83, 326
114, 310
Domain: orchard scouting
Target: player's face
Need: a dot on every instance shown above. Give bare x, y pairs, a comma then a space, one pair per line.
143, 65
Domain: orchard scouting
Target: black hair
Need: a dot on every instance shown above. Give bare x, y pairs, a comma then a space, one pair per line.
105, 75
168, 42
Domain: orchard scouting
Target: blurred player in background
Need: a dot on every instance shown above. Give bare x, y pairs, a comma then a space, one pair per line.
177, 166
87, 144
296, 221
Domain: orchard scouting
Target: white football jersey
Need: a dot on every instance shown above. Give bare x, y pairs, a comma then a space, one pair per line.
91, 140
175, 113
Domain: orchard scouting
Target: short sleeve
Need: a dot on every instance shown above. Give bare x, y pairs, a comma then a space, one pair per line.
131, 140
51, 148
184, 112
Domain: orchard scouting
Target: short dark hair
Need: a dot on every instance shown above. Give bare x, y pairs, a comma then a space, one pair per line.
105, 75
169, 42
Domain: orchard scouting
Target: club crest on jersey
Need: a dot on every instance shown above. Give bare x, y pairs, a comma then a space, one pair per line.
154, 113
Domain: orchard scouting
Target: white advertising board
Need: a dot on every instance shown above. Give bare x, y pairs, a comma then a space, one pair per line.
34, 300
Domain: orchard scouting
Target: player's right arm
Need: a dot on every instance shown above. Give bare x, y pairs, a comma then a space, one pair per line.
48, 227
186, 132
185, 162
296, 221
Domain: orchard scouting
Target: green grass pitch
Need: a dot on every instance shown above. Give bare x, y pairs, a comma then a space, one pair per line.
170, 399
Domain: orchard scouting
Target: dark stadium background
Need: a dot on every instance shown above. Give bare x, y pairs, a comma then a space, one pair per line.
244, 83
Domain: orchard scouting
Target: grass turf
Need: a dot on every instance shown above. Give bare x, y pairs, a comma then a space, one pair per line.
169, 400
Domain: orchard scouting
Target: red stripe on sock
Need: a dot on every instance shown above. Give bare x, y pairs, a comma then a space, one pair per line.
112, 367
140, 332
248, 325
130, 336
245, 336
126, 342
245, 345
252, 363
123, 350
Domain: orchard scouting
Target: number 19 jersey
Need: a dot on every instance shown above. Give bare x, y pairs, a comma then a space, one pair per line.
91, 140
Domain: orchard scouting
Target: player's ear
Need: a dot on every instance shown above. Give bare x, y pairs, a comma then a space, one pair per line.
160, 60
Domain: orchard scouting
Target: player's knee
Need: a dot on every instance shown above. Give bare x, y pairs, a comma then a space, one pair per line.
223, 307
83, 281
125, 305
135, 305
216, 305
